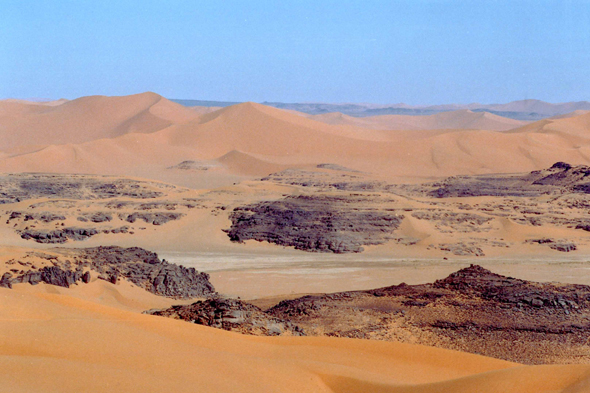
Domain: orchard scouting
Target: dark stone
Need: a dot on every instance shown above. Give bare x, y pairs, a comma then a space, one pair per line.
563, 247
5, 280
154, 218
58, 235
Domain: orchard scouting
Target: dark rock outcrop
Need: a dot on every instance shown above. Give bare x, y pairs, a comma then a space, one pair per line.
51, 275
233, 315
313, 223
44, 217
557, 245
58, 235
146, 270
153, 218
19, 187
141, 267
559, 178
472, 310
5, 280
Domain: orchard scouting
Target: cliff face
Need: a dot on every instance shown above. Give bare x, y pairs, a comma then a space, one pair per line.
314, 223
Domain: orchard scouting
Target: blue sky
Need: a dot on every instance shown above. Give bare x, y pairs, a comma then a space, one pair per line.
418, 52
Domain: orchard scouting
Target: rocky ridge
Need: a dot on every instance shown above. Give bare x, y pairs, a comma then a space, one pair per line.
471, 310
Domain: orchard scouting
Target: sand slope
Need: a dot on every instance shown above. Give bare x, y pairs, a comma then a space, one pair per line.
576, 126
73, 344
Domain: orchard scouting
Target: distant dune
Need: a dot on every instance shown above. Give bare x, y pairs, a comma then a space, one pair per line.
143, 135
202, 110
575, 128
571, 114
86, 119
461, 119
520, 110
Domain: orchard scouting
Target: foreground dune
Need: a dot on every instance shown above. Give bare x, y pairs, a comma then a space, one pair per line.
84, 343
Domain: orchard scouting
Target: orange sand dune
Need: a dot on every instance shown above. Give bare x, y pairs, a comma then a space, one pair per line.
268, 138
575, 127
54, 342
86, 119
461, 119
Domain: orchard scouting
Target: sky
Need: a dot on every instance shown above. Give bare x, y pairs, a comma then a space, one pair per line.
419, 52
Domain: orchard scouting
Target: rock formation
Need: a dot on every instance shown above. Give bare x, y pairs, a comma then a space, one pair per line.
233, 315
141, 267
313, 223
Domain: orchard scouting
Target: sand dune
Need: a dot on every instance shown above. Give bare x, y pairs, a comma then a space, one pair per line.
575, 127
86, 119
461, 119
267, 138
82, 344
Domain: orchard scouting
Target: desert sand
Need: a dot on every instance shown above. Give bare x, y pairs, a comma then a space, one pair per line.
188, 169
